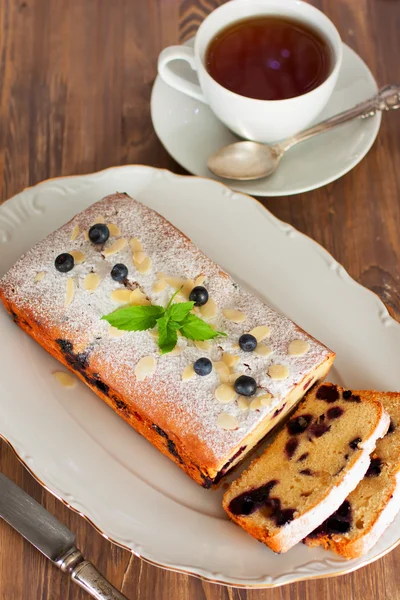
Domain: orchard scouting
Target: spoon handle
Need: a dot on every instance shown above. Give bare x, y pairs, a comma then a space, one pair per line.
387, 98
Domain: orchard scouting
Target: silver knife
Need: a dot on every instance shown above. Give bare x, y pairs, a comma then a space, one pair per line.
52, 538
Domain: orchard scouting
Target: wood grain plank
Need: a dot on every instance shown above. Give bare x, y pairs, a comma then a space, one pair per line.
191, 14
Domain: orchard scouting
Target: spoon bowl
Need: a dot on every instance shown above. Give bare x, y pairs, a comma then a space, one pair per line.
245, 161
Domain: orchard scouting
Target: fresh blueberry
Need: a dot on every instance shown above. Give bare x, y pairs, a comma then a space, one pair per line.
119, 272
245, 385
99, 233
202, 366
64, 262
199, 295
247, 342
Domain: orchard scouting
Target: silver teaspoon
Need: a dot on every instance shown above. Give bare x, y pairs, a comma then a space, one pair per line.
252, 160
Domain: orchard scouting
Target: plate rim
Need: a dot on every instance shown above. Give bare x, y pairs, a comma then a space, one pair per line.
277, 193
199, 573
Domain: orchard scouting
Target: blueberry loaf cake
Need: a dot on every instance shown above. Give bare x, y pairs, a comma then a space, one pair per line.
309, 469
365, 514
229, 367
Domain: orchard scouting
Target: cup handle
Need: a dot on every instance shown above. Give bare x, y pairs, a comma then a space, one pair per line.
173, 79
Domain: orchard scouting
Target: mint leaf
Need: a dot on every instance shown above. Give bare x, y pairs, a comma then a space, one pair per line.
135, 318
194, 328
167, 334
168, 320
178, 312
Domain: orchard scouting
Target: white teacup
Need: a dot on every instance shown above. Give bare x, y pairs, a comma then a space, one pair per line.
259, 120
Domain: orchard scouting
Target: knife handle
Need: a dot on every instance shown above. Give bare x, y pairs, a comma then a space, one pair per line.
87, 576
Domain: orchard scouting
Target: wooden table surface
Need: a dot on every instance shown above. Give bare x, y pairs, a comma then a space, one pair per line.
75, 83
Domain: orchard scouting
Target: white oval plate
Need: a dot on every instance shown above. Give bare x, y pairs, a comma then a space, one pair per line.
86, 455
191, 132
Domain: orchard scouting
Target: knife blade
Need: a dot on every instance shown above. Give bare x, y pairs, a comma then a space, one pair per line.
52, 538
33, 522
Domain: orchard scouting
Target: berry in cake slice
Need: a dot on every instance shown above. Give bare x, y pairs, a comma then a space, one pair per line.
307, 472
365, 514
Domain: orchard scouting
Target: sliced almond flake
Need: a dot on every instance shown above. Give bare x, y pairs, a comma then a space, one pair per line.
225, 393
79, 257
145, 368
113, 229
176, 351
260, 332
226, 421
175, 282
99, 219
86, 235
243, 403
139, 298
187, 288
70, 291
209, 310
65, 379
117, 246
115, 333
204, 346
278, 372
230, 360
222, 370
75, 233
121, 296
263, 350
255, 404
235, 346
154, 333
91, 282
199, 280
139, 256
298, 347
236, 316
39, 276
160, 275
145, 266
136, 245
159, 286
266, 399
233, 377
188, 373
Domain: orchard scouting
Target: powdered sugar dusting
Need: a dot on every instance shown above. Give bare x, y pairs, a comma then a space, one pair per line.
190, 409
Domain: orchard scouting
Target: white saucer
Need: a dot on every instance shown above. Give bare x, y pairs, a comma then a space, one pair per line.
190, 132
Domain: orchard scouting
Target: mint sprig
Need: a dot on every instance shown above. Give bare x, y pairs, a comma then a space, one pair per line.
169, 320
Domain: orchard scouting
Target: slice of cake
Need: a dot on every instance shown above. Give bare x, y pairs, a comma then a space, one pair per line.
310, 468
203, 402
365, 514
